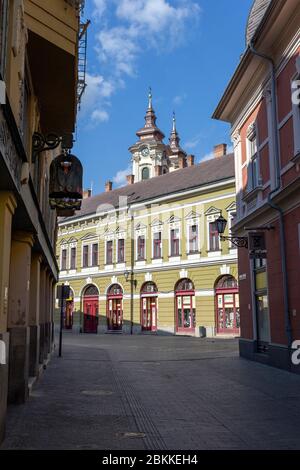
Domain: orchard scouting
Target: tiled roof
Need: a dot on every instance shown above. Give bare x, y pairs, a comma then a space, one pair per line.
257, 13
211, 171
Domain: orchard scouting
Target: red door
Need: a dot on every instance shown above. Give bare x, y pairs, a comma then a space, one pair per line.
185, 312
114, 313
149, 313
90, 314
228, 311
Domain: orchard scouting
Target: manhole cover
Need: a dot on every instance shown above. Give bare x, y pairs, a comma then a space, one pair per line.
131, 435
97, 393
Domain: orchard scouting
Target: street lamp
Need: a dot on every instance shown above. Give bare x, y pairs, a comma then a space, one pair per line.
240, 242
128, 274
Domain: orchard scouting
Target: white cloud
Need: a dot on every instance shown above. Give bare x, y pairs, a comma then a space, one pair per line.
179, 99
120, 178
193, 143
126, 29
99, 115
100, 7
143, 24
97, 98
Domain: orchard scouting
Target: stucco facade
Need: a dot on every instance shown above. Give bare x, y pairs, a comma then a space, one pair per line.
154, 261
262, 104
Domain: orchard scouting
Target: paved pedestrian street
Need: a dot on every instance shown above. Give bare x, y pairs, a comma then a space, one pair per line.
156, 392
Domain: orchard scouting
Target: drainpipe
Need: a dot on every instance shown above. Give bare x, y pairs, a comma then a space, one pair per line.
288, 326
131, 271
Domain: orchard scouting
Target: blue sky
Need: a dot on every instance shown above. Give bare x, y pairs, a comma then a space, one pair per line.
186, 50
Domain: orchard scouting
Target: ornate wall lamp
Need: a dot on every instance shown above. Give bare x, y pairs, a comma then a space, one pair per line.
129, 278
256, 236
240, 242
65, 186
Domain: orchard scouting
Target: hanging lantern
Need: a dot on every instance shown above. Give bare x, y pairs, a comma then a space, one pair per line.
65, 188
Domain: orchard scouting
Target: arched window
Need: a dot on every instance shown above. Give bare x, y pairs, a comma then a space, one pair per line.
226, 282
148, 288
91, 291
145, 173
184, 285
115, 289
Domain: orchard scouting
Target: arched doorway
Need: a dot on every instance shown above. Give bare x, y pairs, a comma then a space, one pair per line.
114, 308
227, 305
69, 310
90, 309
149, 306
185, 306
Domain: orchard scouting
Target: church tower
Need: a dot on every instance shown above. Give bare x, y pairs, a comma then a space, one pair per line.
149, 154
178, 156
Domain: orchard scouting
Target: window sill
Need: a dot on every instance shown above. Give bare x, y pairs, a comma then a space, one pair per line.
296, 157
249, 195
175, 256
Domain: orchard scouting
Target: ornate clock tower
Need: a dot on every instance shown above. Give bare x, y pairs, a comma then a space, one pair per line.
150, 156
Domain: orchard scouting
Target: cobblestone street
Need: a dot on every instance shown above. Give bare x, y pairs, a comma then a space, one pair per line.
150, 392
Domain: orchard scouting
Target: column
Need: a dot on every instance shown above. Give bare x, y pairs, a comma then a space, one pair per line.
42, 313
18, 316
34, 314
7, 207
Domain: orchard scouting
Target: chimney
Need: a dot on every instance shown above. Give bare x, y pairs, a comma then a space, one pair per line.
87, 193
190, 160
108, 186
130, 179
220, 150
181, 162
158, 170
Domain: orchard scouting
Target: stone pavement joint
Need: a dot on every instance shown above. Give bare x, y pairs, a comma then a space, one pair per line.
156, 393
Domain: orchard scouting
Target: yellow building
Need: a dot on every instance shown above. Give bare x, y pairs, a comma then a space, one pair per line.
147, 256
39, 94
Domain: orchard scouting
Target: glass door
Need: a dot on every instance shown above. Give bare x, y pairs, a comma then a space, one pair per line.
185, 307
115, 314
149, 313
228, 313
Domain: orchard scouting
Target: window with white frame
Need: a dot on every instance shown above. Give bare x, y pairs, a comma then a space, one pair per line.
253, 158
95, 254
214, 239
175, 242
141, 247
140, 234
109, 252
121, 250
85, 256
73, 257
193, 238
157, 245
64, 252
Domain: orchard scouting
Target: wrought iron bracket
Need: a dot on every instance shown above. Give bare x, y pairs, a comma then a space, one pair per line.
240, 242
41, 143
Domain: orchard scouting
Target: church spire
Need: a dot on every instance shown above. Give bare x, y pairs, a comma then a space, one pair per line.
174, 121
150, 98
174, 137
150, 130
